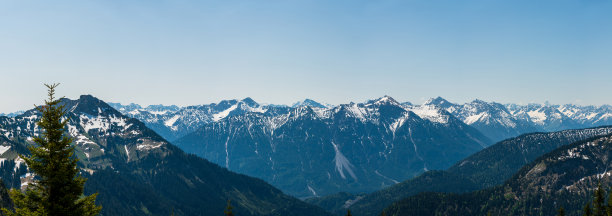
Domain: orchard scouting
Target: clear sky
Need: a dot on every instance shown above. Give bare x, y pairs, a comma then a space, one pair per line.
199, 52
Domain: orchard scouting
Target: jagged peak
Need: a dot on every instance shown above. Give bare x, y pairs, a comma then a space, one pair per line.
309, 102
384, 100
438, 101
90, 105
13, 114
250, 102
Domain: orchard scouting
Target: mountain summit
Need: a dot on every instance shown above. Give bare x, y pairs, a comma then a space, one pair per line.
309, 102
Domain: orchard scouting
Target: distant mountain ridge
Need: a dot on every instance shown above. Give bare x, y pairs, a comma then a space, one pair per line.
492, 119
173, 122
311, 103
13, 114
497, 121
501, 121
231, 143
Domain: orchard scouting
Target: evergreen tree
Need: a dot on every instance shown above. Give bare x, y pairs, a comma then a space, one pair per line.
587, 210
610, 203
59, 190
348, 213
599, 206
561, 212
228, 209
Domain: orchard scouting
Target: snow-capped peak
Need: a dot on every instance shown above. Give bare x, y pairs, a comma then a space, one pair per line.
250, 102
309, 102
438, 101
431, 113
384, 100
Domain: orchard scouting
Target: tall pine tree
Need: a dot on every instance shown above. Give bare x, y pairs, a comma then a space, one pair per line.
59, 190
599, 205
561, 212
586, 211
610, 203
348, 213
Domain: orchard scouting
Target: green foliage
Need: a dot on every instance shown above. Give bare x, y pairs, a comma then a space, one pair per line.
59, 189
348, 213
610, 203
599, 207
561, 212
587, 210
522, 194
487, 168
5, 201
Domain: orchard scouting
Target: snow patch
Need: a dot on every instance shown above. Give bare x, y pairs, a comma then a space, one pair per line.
385, 177
537, 116
357, 112
314, 193
342, 163
349, 203
82, 140
227, 153
162, 112
4, 149
148, 146
398, 123
430, 113
258, 109
88, 123
127, 152
474, 118
224, 113
170, 122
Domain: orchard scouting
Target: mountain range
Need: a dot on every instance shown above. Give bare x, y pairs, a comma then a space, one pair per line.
244, 136
137, 172
312, 151
358, 156
497, 121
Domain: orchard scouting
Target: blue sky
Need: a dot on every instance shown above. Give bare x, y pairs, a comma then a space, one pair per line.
197, 52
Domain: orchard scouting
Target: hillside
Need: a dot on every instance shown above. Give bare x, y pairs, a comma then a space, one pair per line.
564, 178
489, 167
137, 172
